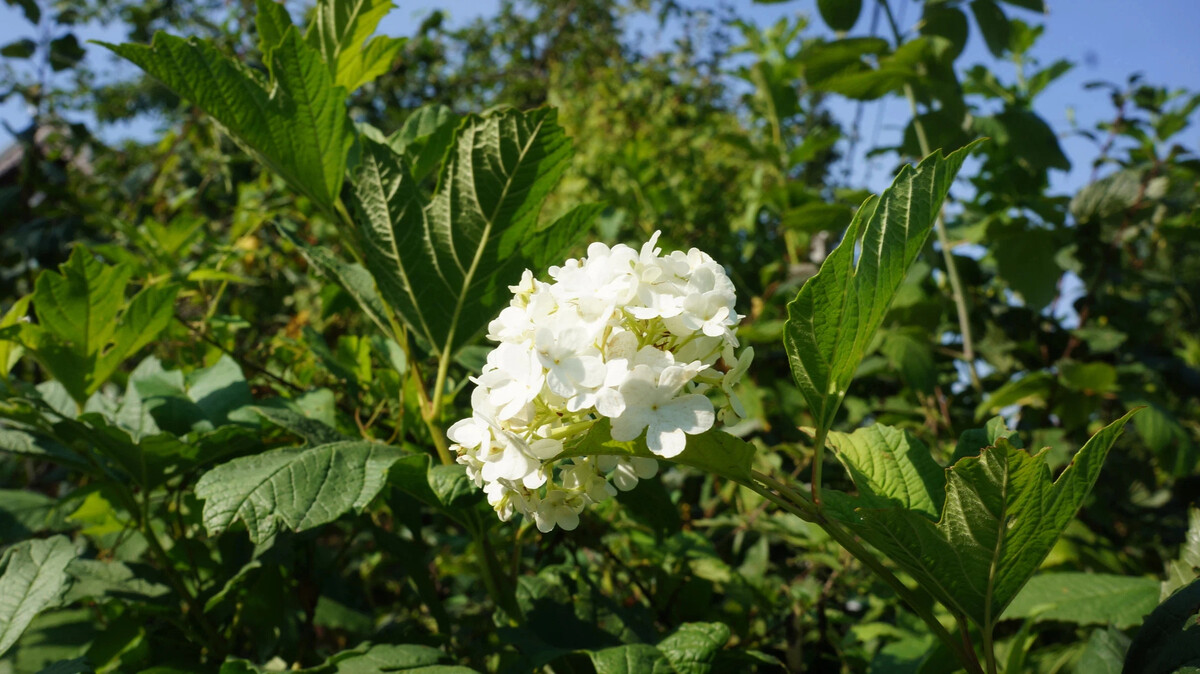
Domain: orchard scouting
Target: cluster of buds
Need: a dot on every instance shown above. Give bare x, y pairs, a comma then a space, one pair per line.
632, 336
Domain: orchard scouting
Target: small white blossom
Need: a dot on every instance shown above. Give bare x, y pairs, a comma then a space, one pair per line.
632, 336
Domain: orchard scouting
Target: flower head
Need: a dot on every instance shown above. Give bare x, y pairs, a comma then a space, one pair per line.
629, 335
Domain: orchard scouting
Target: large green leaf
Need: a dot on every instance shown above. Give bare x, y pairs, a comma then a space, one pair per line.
1086, 599
713, 451
296, 488
1167, 640
35, 577
834, 317
1001, 517
445, 266
85, 329
296, 124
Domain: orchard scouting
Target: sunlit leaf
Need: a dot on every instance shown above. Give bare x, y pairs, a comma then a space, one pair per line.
297, 125
1002, 515
293, 487
836, 314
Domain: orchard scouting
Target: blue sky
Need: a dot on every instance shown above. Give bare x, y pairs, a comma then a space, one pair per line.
1106, 39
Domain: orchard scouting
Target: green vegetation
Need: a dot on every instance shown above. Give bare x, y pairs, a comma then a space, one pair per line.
232, 359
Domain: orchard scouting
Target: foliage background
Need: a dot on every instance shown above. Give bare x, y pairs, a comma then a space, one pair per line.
746, 140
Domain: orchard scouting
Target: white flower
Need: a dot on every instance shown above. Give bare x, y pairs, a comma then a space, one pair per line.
633, 336
652, 404
573, 365
558, 507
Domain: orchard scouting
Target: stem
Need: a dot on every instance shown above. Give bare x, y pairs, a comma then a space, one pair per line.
922, 606
989, 650
500, 588
964, 630
572, 429
939, 226
434, 415
818, 460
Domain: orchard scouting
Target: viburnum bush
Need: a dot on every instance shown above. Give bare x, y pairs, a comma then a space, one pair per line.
388, 423
632, 336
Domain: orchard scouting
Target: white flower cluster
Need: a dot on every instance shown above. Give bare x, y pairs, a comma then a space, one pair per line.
631, 336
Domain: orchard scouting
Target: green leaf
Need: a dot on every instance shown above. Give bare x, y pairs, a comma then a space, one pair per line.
147, 314
1167, 640
1001, 517
34, 579
83, 334
1186, 567
1086, 599
424, 138
33, 13
386, 658
693, 647
65, 52
272, 21
340, 29
297, 125
484, 213
993, 24
1108, 196
79, 303
1032, 5
296, 488
1025, 259
630, 659
1041, 79
839, 14
95, 579
1092, 378
20, 49
1027, 136
818, 216
1104, 652
74, 666
314, 431
946, 22
445, 266
44, 448
352, 277
1031, 389
909, 351
22, 514
855, 67
892, 469
10, 351
834, 317
974, 440
713, 451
